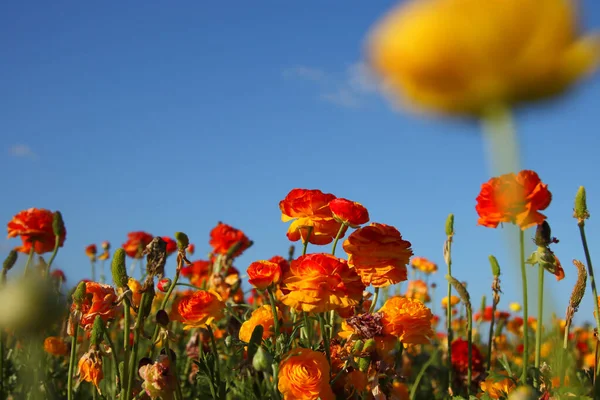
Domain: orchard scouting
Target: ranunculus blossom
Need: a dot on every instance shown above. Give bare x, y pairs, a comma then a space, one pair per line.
378, 254
159, 380
91, 251
282, 262
105, 253
349, 212
261, 316
424, 265
99, 300
487, 315
262, 274
460, 357
309, 212
198, 272
497, 388
90, 368
136, 243
511, 198
56, 346
171, 245
304, 375
200, 308
34, 226
223, 237
59, 275
407, 319
454, 300
191, 249
418, 289
452, 56
321, 282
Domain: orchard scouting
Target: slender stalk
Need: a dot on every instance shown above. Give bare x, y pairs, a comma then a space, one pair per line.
217, 361
448, 258
326, 341
102, 276
113, 354
126, 323
337, 237
491, 337
173, 364
93, 265
415, 386
525, 308
275, 317
306, 329
374, 302
54, 252
72, 362
29, 258
470, 341
163, 305
538, 329
139, 325
305, 241
588, 260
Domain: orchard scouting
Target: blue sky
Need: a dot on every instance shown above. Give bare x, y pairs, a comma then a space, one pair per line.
161, 117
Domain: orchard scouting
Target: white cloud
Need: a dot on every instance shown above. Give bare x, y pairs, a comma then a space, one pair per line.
342, 97
22, 150
361, 79
303, 72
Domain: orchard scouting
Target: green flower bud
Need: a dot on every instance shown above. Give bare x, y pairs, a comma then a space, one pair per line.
262, 360
10, 260
228, 341
581, 211
58, 225
450, 225
461, 289
495, 266
182, 240
79, 294
119, 269
97, 331
363, 363
358, 347
147, 299
369, 345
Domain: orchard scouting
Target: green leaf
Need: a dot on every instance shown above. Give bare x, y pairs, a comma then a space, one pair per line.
255, 341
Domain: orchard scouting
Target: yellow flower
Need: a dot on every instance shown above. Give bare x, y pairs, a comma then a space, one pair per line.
454, 300
515, 307
261, 316
497, 389
407, 319
466, 56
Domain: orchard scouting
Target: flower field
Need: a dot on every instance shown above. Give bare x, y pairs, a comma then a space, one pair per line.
350, 311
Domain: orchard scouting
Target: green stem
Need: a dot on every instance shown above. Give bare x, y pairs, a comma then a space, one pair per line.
525, 309
173, 364
163, 305
415, 386
217, 360
374, 302
538, 330
337, 237
449, 316
93, 264
305, 241
491, 337
275, 317
139, 326
326, 341
588, 260
29, 257
307, 329
113, 356
470, 341
189, 285
72, 362
126, 330
102, 276
54, 252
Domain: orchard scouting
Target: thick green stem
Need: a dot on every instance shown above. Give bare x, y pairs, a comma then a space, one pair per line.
538, 329
72, 362
588, 260
415, 386
374, 302
449, 318
139, 326
29, 258
305, 241
113, 354
54, 252
326, 341
217, 361
275, 316
525, 309
337, 237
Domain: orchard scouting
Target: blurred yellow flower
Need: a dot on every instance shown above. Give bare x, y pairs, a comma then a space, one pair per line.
515, 307
468, 56
454, 300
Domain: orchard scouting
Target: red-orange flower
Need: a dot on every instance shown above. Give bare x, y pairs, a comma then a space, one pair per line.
34, 226
198, 272
513, 199
136, 243
99, 300
309, 210
261, 316
200, 308
171, 245
223, 237
191, 249
419, 290
304, 375
105, 253
379, 254
282, 262
262, 274
407, 319
91, 251
349, 212
460, 357
424, 265
55, 345
59, 275
90, 368
321, 282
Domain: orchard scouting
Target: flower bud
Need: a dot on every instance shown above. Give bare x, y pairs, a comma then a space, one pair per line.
58, 225
164, 284
543, 234
79, 293
358, 347
369, 345
228, 341
363, 363
10, 260
119, 269
262, 360
106, 245
450, 225
182, 240
162, 318
97, 331
495, 266
581, 212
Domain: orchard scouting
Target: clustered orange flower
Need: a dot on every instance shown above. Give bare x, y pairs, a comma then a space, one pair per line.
407, 319
378, 254
223, 237
56, 346
136, 243
424, 265
262, 274
198, 272
261, 316
418, 289
34, 226
309, 210
200, 308
304, 375
99, 300
321, 282
497, 388
511, 198
90, 367
349, 212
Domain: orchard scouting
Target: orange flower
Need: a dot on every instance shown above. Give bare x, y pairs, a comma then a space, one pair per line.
105, 253
378, 254
171, 245
454, 300
513, 199
159, 379
99, 300
223, 237
310, 209
200, 308
136, 243
261, 316
59, 275
56, 346
282, 262
262, 274
190, 249
355, 382
419, 290
460, 357
91, 251
321, 282
497, 388
90, 367
304, 375
34, 226
399, 391
136, 291
198, 272
407, 319
423, 265
349, 212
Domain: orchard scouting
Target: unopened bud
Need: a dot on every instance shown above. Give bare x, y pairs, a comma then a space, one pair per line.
369, 345
182, 240
543, 234
106, 245
79, 294
10, 260
358, 347
147, 299
119, 269
262, 360
58, 225
363, 363
228, 341
581, 211
162, 318
164, 284
495, 266
450, 225
97, 331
